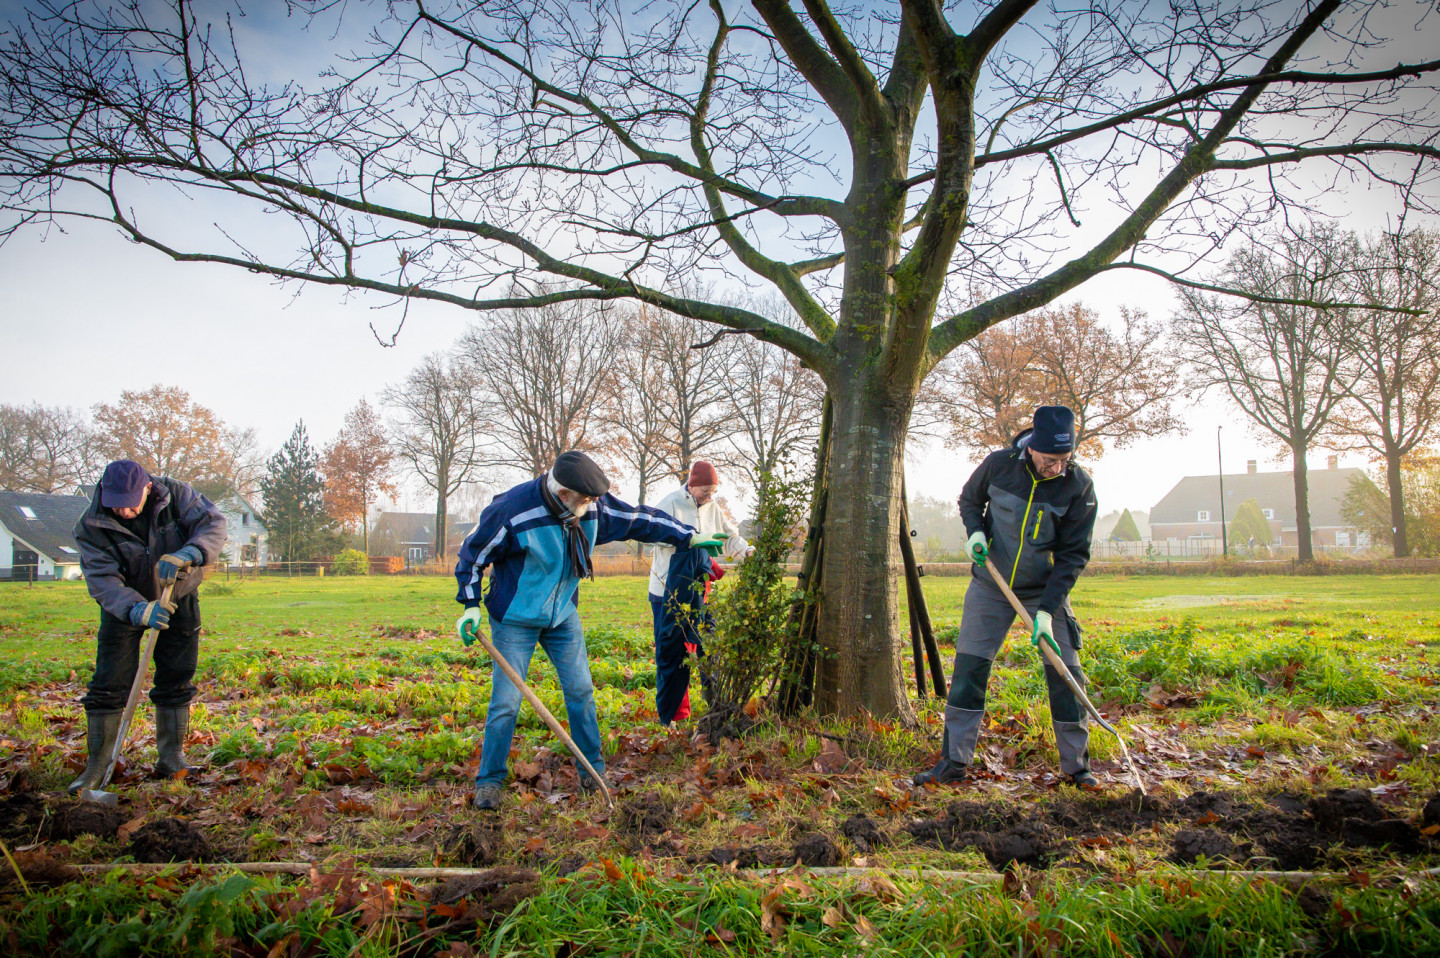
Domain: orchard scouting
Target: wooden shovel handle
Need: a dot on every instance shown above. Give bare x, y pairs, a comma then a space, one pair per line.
147, 652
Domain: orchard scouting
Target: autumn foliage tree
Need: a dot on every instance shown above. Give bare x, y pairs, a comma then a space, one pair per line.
869, 163
170, 434
1121, 383
358, 467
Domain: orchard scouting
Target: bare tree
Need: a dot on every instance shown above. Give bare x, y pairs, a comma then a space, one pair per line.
632, 412
774, 404
49, 449
541, 375
865, 162
433, 429
1395, 402
1287, 367
694, 385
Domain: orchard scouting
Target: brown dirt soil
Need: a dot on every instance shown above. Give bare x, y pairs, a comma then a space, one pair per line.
1191, 843
474, 844
863, 833
817, 851
23, 818
86, 818
647, 816
168, 840
1431, 813
491, 895
719, 724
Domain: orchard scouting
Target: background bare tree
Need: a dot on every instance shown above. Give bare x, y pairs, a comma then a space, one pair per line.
541, 375
631, 412
1122, 384
774, 405
1395, 401
49, 449
694, 386
434, 429
1285, 366
866, 162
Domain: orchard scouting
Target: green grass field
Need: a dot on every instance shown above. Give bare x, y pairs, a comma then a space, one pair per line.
340, 720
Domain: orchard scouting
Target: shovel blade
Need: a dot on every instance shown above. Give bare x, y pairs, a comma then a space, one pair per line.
99, 797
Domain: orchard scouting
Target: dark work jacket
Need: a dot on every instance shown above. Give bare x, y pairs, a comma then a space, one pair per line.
120, 568
682, 620
1038, 529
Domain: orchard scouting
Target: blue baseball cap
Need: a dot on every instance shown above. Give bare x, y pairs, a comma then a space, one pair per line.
1054, 430
123, 484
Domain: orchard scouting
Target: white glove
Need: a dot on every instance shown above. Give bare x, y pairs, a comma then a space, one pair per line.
977, 549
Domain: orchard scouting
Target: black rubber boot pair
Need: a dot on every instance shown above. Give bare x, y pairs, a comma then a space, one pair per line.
102, 728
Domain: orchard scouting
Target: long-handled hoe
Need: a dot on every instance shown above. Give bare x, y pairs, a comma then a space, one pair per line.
147, 652
1059, 665
544, 713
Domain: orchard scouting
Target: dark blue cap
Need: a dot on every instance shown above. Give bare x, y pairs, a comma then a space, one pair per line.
578, 472
123, 485
1054, 430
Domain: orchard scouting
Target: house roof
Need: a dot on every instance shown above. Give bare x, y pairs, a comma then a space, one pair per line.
235, 504
417, 528
1273, 490
51, 531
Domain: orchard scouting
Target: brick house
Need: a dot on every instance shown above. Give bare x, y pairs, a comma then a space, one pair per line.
1191, 510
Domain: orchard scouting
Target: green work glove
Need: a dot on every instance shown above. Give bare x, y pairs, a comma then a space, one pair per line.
714, 543
977, 548
468, 626
1044, 630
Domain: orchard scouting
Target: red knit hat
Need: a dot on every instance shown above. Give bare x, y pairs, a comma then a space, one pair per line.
703, 474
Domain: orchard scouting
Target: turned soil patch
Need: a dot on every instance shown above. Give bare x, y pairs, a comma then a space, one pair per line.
645, 817
87, 818
168, 840
23, 819
487, 896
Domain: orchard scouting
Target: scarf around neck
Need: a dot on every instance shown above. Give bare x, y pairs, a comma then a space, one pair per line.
577, 544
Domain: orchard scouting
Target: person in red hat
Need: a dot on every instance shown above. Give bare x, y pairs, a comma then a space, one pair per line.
140, 534
675, 636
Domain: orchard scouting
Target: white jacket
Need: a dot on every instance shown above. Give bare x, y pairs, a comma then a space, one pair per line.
708, 519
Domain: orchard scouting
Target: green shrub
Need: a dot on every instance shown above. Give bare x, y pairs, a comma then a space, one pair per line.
350, 562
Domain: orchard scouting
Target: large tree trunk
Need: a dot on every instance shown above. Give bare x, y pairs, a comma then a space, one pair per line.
1395, 483
860, 668
1302, 507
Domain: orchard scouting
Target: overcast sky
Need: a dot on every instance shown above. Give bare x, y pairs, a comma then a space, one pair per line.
85, 314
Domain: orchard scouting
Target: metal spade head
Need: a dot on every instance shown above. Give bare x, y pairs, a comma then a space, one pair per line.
100, 797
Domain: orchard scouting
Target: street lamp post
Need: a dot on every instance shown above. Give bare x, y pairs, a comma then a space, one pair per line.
1220, 465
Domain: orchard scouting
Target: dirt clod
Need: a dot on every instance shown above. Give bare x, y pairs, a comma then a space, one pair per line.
475, 845
1335, 806
1192, 843
817, 851
87, 818
1431, 813
168, 840
491, 895
39, 868
569, 865
22, 818
1024, 845
863, 833
647, 815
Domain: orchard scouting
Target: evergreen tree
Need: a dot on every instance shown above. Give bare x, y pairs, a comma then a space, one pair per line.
295, 501
1125, 529
1250, 523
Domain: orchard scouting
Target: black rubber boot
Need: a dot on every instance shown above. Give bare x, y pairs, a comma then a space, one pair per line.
172, 725
945, 773
1084, 779
102, 728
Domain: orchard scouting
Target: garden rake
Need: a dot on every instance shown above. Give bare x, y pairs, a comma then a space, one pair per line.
147, 652
1059, 665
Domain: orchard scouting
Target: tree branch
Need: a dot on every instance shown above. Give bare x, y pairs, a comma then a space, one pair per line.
1257, 297
811, 60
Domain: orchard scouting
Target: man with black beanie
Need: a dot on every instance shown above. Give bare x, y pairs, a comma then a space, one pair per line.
536, 540
141, 533
1031, 510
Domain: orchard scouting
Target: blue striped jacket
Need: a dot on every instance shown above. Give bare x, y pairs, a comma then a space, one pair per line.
531, 579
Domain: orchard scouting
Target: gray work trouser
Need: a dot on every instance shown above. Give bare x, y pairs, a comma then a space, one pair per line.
986, 618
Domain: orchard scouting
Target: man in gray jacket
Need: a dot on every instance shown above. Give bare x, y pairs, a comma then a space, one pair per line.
141, 533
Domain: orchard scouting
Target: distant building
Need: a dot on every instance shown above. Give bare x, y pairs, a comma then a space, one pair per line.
411, 535
247, 542
1191, 510
37, 535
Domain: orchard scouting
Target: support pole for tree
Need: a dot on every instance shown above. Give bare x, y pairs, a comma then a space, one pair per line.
797, 684
919, 611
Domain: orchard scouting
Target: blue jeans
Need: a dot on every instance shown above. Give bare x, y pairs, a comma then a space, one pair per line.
565, 645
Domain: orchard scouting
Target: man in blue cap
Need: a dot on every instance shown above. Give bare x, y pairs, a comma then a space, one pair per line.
536, 540
1031, 510
141, 533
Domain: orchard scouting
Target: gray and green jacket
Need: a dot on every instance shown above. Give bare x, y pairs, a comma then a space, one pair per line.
1038, 529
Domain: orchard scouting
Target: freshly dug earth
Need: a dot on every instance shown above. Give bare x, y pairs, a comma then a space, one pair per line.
1283, 831
817, 851
475, 845
863, 833
39, 868
168, 840
87, 818
23, 819
646, 816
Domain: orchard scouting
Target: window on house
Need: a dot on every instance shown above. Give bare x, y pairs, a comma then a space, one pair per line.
1269, 513
27, 512
68, 551
1342, 538
1202, 515
244, 518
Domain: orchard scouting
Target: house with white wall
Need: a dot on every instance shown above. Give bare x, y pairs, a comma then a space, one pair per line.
37, 535
247, 543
